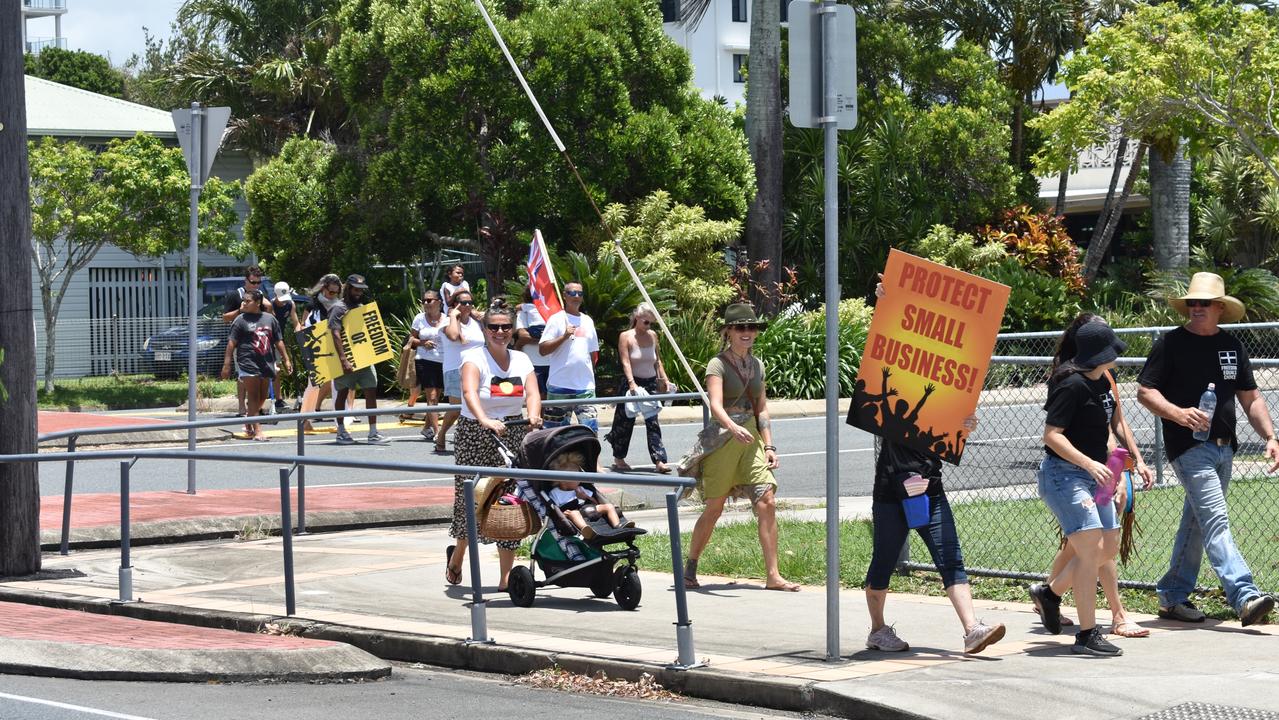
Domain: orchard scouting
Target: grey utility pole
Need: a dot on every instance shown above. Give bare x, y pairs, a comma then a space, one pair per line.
199, 133
823, 92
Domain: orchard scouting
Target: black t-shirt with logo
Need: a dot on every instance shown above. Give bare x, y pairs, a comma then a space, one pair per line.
255, 336
1180, 367
895, 463
1083, 409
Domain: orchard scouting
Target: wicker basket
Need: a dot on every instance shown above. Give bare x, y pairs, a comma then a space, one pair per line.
510, 522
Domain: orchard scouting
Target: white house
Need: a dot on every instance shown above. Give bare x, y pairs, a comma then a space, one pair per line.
41, 11
718, 46
119, 299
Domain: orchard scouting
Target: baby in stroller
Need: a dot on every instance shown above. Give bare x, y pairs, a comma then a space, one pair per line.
586, 542
579, 506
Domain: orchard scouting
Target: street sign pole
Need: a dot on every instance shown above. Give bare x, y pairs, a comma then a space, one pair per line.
199, 133
823, 94
830, 132
193, 282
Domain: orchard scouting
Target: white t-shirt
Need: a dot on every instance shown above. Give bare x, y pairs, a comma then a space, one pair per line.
529, 317
562, 497
472, 337
501, 391
451, 289
571, 363
426, 331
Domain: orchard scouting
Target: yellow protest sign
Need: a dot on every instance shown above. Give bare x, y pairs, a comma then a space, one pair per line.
367, 342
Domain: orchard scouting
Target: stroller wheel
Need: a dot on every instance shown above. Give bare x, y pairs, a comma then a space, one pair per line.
626, 587
603, 585
521, 586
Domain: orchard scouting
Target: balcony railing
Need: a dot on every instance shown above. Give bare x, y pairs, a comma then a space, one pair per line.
35, 45
45, 4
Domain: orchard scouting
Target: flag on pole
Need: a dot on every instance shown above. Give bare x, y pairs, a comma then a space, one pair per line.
541, 279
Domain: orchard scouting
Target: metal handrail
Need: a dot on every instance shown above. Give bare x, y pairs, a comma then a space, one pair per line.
684, 638
1040, 334
300, 418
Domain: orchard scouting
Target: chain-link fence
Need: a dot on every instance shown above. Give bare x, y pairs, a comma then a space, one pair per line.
132, 346
1005, 527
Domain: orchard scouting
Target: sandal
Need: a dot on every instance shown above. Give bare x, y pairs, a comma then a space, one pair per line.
786, 586
662, 468
451, 575
690, 575
1126, 629
619, 466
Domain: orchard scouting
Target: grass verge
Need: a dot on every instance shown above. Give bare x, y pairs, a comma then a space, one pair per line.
125, 392
734, 552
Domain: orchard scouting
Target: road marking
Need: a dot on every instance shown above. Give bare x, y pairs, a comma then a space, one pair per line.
823, 452
77, 708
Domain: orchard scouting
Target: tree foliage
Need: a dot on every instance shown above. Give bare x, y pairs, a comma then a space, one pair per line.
77, 68
133, 194
931, 147
451, 144
678, 247
1207, 72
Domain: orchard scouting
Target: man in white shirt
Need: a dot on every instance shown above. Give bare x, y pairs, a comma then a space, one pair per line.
570, 342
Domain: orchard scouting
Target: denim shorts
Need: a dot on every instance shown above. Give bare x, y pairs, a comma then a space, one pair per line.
453, 383
1067, 490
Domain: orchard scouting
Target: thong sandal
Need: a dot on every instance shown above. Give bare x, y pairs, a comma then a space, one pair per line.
451, 575
690, 575
784, 587
1128, 629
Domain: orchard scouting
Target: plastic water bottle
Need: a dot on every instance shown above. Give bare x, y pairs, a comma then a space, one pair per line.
1208, 404
1106, 491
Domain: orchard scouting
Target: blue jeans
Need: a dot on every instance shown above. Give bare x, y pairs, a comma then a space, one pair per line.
558, 416
1067, 490
1204, 473
890, 533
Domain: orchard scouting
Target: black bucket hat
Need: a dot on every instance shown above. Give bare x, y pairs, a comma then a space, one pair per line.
1096, 344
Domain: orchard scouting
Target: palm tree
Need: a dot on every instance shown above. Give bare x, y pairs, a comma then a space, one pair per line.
764, 136
267, 61
1169, 171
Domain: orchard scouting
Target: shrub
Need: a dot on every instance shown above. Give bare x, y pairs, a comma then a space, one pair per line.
1037, 302
959, 250
793, 350
1039, 242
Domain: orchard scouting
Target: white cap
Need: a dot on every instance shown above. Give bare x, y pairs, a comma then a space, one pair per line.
282, 289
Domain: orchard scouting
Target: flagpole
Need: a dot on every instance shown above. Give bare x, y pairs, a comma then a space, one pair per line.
617, 244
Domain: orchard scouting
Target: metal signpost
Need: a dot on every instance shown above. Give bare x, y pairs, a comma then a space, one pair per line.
823, 94
200, 134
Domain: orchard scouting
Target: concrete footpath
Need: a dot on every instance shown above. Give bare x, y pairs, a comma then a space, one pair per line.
382, 590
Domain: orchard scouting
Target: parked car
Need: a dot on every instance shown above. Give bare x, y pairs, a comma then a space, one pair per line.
164, 354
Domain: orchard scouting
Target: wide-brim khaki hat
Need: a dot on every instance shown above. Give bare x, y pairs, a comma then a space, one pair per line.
1209, 286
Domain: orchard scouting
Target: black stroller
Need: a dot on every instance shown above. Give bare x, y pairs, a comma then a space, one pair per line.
565, 557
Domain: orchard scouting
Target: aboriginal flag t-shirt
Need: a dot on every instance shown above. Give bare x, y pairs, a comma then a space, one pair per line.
501, 391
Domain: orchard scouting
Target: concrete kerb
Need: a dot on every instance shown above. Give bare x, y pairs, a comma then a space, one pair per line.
741, 688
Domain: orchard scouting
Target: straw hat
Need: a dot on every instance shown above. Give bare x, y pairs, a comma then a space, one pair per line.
1209, 286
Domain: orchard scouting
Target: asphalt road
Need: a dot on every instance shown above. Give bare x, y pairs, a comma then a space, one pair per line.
1005, 451
412, 692
801, 442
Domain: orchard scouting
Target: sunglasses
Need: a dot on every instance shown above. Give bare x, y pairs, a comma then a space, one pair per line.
427, 300
747, 326
1199, 303
573, 293
465, 303
645, 322
501, 327
254, 282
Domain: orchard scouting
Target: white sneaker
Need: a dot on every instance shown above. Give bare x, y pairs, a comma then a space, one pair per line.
886, 639
982, 636
377, 438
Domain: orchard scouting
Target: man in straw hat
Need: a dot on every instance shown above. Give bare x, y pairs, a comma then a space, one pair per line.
1180, 367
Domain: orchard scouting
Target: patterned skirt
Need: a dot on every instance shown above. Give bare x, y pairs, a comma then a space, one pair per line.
477, 446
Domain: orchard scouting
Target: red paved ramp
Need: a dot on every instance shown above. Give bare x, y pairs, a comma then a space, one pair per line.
49, 421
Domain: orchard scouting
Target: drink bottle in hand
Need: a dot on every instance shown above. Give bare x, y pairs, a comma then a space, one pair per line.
1208, 404
1105, 491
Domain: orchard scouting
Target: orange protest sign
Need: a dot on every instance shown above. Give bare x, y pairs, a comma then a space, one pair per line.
926, 355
